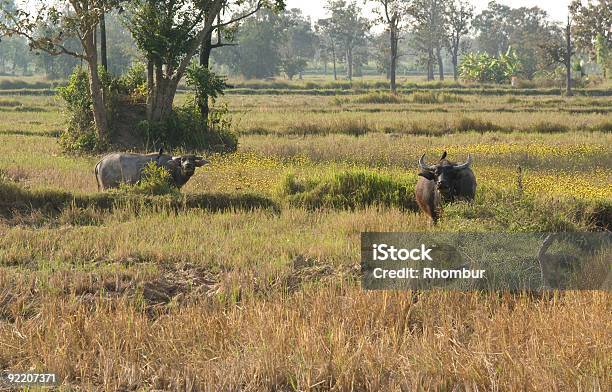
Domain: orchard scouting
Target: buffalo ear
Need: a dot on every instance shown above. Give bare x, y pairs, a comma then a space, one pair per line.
201, 162
174, 163
443, 155
428, 175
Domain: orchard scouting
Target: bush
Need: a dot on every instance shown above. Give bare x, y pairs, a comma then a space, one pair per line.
155, 181
80, 135
350, 190
186, 129
133, 83
483, 68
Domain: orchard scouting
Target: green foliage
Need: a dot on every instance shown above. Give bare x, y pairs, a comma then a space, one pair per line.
80, 135
297, 43
350, 190
257, 56
155, 180
603, 53
134, 82
206, 83
483, 68
185, 128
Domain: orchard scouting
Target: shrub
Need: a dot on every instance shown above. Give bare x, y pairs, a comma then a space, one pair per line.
155, 180
133, 82
186, 129
207, 84
80, 135
483, 68
350, 190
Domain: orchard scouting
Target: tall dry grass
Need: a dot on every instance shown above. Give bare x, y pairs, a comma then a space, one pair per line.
322, 338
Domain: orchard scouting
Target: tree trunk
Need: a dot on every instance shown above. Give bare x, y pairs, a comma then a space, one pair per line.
103, 59
95, 87
568, 57
334, 60
440, 63
205, 51
165, 90
15, 60
150, 89
393, 60
430, 72
455, 61
349, 63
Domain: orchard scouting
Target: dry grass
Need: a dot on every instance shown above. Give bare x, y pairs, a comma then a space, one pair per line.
324, 338
156, 296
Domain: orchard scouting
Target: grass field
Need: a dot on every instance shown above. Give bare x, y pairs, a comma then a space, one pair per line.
241, 287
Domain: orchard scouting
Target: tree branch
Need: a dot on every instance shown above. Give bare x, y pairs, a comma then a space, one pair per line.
214, 46
257, 8
46, 45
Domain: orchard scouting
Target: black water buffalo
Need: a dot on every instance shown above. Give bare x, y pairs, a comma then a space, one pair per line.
117, 168
446, 181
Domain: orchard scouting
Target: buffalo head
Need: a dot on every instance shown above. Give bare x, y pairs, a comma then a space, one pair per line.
446, 175
445, 181
182, 167
187, 163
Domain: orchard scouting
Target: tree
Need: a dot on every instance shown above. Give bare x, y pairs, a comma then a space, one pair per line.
258, 55
121, 48
493, 27
56, 67
296, 44
348, 29
500, 27
592, 29
381, 54
603, 54
459, 14
559, 52
429, 32
170, 33
394, 14
327, 39
77, 18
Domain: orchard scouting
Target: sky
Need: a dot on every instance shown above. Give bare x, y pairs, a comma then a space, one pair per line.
557, 9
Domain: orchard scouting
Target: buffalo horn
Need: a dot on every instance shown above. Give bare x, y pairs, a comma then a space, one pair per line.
423, 165
466, 164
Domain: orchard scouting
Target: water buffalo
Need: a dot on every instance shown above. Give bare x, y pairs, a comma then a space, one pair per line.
443, 182
117, 168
